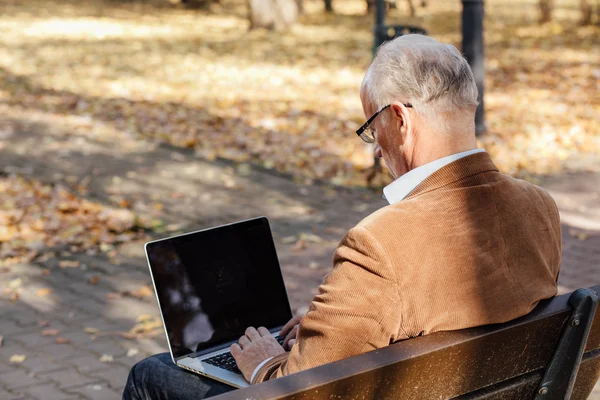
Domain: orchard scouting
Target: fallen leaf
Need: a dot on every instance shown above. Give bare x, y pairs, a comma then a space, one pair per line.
132, 352
361, 207
94, 280
113, 296
46, 272
145, 318
43, 323
299, 246
15, 283
44, 292
334, 230
61, 340
17, 358
14, 297
106, 358
49, 332
144, 291
579, 235
310, 237
69, 264
127, 335
90, 330
289, 239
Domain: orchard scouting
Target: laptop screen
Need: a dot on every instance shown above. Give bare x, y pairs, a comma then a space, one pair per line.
213, 284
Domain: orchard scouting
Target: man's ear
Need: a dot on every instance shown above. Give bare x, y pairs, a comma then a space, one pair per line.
402, 118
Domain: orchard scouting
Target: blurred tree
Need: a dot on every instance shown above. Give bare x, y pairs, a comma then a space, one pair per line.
273, 14
546, 7
586, 12
328, 6
195, 3
546, 10
394, 4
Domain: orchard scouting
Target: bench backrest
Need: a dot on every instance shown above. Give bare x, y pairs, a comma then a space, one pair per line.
504, 361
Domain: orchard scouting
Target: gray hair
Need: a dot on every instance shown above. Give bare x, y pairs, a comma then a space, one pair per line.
433, 77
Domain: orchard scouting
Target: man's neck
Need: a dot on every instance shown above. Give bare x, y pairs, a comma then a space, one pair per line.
436, 149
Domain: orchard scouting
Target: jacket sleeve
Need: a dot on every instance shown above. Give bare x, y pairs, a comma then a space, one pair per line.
356, 309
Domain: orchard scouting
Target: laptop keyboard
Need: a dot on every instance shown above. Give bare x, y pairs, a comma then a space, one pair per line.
227, 362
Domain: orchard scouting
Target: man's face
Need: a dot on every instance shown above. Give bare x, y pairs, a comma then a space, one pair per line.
388, 140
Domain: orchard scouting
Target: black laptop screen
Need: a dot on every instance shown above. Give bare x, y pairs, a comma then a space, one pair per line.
213, 284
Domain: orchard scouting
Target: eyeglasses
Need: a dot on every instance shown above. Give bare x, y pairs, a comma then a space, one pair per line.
367, 134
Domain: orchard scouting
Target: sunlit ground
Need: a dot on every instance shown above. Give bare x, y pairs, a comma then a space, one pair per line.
197, 78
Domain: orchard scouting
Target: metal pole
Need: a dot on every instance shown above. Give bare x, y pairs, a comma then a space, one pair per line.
378, 39
379, 33
472, 47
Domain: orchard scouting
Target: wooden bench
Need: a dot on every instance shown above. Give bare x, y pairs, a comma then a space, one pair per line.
551, 353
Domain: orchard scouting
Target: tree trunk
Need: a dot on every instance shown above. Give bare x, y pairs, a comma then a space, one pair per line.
546, 10
411, 6
389, 4
328, 6
586, 12
273, 14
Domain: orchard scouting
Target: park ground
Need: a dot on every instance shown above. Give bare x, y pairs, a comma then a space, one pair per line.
126, 121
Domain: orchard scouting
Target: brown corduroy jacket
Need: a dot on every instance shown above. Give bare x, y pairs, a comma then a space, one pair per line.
469, 246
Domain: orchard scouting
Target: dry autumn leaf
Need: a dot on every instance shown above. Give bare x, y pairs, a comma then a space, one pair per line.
113, 296
69, 264
106, 358
128, 335
94, 280
49, 332
44, 292
144, 291
15, 283
289, 239
17, 358
580, 235
132, 352
61, 340
299, 246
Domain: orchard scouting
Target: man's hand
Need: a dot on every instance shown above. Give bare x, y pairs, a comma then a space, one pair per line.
290, 329
253, 348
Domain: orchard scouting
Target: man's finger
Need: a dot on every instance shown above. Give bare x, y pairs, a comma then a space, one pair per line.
290, 325
291, 343
252, 333
263, 331
244, 342
290, 336
235, 350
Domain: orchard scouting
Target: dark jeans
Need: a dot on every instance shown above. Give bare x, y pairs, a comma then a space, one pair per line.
158, 378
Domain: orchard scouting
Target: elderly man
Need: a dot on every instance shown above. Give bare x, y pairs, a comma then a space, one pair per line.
460, 244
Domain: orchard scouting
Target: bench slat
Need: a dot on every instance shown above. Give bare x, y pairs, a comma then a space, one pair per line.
442, 365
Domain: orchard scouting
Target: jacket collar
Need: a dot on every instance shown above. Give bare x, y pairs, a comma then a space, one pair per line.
401, 187
455, 171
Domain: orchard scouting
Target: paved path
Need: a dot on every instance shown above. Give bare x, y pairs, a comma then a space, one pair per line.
195, 194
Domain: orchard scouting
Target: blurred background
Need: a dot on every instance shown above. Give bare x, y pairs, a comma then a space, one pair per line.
123, 121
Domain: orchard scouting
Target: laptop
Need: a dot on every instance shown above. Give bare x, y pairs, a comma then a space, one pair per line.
213, 284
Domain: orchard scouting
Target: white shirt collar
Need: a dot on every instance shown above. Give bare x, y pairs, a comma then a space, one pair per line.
401, 187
